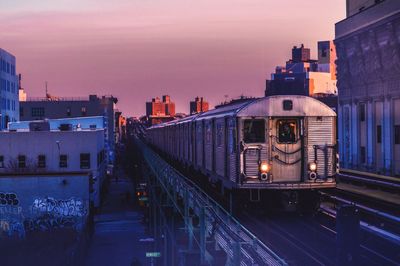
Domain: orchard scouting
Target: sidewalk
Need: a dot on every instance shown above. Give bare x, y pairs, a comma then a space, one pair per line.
117, 229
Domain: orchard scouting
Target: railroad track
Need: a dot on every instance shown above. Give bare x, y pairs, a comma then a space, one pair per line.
302, 240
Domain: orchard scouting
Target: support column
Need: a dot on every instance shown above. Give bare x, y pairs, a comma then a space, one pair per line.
354, 135
370, 134
202, 221
387, 141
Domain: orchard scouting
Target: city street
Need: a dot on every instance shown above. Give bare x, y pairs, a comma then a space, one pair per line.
118, 228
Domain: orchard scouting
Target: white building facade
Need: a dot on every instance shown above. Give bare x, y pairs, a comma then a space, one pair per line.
55, 152
9, 99
368, 66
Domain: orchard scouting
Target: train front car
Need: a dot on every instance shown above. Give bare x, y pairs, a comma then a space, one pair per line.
287, 144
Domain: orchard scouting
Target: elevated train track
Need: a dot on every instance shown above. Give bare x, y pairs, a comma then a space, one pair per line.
308, 240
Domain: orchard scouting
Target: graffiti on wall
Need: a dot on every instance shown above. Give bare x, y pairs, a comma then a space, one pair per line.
8, 199
48, 205
44, 214
50, 213
11, 217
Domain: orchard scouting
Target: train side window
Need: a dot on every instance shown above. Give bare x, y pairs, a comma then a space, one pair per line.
397, 134
254, 131
287, 131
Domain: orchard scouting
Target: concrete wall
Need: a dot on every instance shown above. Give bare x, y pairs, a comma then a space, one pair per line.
43, 202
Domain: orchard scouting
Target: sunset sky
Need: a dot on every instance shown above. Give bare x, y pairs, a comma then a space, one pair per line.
139, 49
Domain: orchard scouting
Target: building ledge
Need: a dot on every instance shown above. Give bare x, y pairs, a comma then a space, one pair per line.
36, 174
367, 17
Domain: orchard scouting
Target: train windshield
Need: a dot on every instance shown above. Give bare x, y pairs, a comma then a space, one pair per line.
287, 131
254, 131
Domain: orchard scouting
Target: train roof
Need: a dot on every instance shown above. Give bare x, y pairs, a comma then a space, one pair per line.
273, 106
266, 106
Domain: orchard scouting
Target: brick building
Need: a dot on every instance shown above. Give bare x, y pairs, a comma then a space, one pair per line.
199, 105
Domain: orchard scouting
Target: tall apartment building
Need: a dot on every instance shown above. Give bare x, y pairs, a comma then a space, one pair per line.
158, 111
305, 76
368, 64
199, 105
55, 108
9, 101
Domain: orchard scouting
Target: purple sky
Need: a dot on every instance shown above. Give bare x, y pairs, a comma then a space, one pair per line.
139, 49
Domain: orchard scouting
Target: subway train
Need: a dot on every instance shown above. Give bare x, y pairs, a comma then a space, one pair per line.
279, 145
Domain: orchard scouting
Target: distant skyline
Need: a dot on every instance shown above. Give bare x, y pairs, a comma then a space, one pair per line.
140, 49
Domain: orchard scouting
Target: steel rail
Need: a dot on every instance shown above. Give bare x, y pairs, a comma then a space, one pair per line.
370, 181
386, 216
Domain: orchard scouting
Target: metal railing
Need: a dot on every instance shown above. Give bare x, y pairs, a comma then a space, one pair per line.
240, 245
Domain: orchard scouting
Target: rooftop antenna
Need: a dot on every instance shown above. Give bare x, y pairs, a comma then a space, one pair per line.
46, 88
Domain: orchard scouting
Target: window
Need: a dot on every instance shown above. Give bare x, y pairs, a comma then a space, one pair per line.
63, 161
41, 161
361, 109
287, 105
21, 161
1, 161
68, 111
83, 110
85, 160
38, 111
287, 131
254, 131
397, 134
379, 134
362, 154
21, 111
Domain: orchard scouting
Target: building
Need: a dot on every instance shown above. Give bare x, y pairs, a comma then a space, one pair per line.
52, 107
158, 111
9, 99
304, 76
120, 127
73, 123
368, 50
45, 151
199, 105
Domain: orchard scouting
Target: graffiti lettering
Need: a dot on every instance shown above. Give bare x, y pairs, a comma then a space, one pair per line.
8, 199
11, 227
49, 222
48, 205
10, 210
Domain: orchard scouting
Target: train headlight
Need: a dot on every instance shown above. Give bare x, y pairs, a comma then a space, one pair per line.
312, 167
264, 167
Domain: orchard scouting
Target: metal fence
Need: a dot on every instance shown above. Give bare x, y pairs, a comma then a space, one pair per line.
215, 223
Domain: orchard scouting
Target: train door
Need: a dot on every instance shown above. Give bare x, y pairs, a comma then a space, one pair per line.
286, 147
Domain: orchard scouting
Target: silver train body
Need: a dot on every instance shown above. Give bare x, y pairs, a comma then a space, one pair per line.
275, 143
